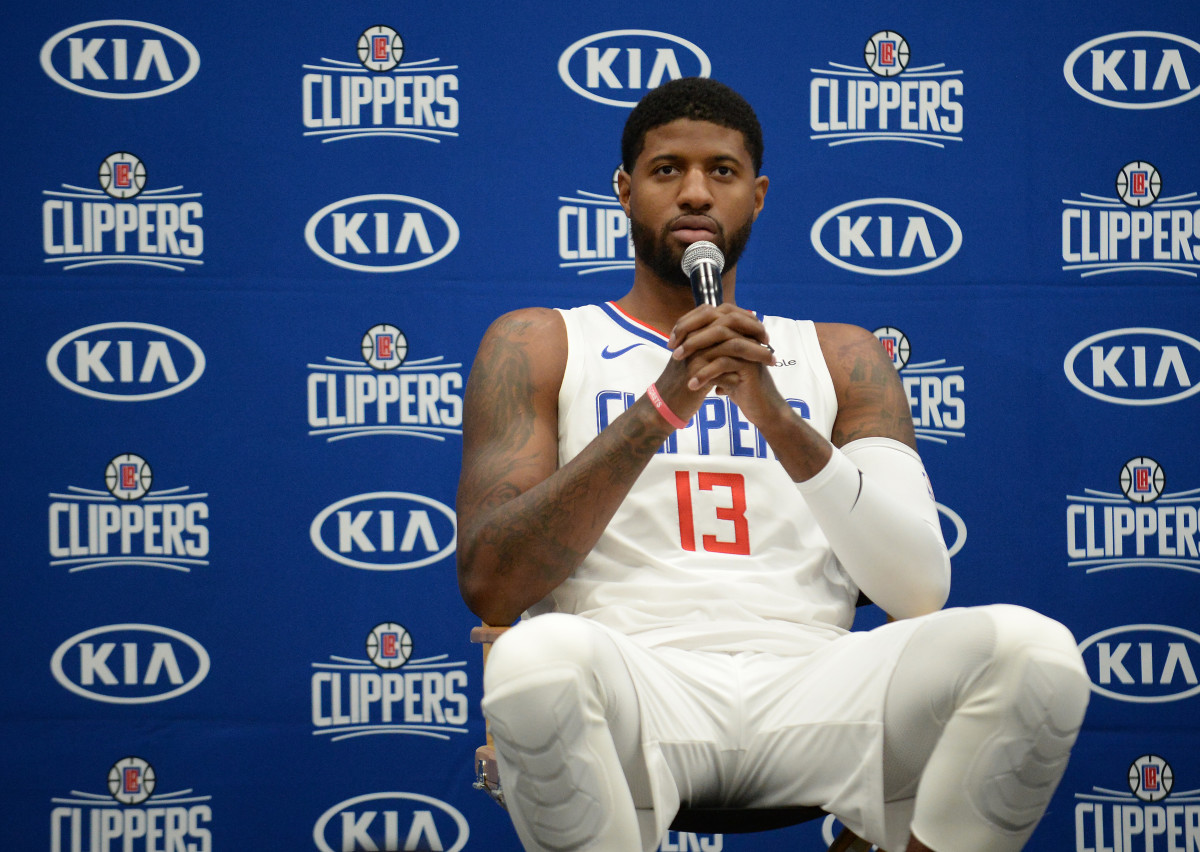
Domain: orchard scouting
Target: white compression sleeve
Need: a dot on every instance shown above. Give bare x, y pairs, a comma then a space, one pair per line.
874, 504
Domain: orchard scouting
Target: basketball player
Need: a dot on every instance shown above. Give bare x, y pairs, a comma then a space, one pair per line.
687, 502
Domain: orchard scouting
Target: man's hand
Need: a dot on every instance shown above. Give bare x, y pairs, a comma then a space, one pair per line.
726, 348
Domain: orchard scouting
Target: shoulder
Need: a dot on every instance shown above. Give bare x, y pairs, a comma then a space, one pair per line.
526, 347
527, 324
848, 349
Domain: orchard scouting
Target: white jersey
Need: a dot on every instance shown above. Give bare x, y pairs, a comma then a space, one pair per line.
714, 547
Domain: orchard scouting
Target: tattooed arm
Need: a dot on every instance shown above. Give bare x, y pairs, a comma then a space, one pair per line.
524, 523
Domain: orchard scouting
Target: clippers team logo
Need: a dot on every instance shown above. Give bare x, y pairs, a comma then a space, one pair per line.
381, 233
391, 820
122, 175
130, 664
385, 392
134, 816
390, 692
130, 525
1109, 818
934, 390
120, 59
1139, 69
1140, 526
384, 347
593, 232
1143, 663
617, 67
385, 531
886, 236
886, 99
1139, 230
1135, 366
380, 49
122, 222
131, 781
380, 94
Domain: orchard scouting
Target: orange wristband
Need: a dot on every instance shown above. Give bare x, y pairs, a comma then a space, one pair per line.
662, 408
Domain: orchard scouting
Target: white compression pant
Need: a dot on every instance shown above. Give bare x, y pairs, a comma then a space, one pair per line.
980, 713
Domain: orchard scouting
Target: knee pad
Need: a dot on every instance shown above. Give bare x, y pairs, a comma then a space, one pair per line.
1037, 691
546, 693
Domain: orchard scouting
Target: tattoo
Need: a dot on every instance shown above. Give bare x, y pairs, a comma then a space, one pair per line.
873, 401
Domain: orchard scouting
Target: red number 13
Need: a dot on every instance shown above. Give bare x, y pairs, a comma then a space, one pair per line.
736, 483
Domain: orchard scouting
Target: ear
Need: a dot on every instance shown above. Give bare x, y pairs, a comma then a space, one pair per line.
760, 193
623, 183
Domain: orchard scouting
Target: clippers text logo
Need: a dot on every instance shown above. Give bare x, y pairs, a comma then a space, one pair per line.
128, 523
1143, 663
1109, 819
1102, 235
1135, 366
593, 233
133, 816
886, 99
1140, 69
130, 664
884, 236
619, 66
120, 59
380, 95
385, 393
935, 391
1142, 526
106, 226
381, 233
393, 820
389, 692
385, 531
125, 361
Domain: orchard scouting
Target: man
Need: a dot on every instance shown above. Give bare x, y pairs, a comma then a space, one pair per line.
688, 501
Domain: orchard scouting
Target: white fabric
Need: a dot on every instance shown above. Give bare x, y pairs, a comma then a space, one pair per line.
981, 705
791, 593
875, 505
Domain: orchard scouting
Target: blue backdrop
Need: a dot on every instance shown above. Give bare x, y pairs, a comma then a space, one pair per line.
248, 257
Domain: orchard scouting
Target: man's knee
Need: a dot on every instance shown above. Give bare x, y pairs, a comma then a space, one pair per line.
551, 640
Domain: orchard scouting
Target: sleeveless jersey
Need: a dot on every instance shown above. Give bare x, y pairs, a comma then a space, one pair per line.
714, 546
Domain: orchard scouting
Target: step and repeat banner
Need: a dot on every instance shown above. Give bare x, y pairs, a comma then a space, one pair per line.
249, 253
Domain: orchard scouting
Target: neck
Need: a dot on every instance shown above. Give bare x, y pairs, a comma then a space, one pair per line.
660, 304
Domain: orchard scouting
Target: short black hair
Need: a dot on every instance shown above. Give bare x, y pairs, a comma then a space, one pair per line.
699, 99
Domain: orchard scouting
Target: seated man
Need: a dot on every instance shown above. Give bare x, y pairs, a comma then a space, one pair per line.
688, 501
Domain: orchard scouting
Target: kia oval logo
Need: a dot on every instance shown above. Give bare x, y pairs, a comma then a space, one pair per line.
955, 542
125, 361
1143, 663
1135, 366
130, 663
428, 822
120, 59
1139, 69
619, 66
884, 237
385, 531
381, 233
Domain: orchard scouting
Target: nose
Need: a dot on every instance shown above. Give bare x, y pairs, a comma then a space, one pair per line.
694, 191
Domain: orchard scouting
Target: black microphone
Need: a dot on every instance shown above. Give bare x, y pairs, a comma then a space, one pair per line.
702, 263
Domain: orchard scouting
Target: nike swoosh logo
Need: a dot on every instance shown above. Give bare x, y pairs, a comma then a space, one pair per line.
609, 354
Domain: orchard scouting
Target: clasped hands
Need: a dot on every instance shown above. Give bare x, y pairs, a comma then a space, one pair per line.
723, 347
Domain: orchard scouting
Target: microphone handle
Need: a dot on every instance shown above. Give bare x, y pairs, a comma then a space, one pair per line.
706, 285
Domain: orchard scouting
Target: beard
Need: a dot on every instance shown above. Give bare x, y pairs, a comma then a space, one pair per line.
663, 256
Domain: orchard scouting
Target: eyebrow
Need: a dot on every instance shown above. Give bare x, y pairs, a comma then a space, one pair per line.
717, 158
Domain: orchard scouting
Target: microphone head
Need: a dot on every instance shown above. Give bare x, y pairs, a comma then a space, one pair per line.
702, 252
